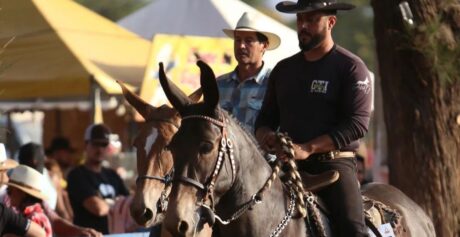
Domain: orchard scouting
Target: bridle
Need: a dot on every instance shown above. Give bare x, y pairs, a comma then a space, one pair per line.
225, 147
167, 179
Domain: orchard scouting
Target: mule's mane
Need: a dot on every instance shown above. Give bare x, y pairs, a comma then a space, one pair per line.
243, 128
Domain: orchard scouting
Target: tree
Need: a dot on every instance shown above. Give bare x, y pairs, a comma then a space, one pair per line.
419, 65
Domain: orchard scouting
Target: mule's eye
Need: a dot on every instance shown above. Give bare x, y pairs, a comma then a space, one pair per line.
205, 147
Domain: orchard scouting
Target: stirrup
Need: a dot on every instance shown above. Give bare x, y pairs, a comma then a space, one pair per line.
316, 182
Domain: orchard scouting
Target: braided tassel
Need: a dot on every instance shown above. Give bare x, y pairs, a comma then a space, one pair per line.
293, 176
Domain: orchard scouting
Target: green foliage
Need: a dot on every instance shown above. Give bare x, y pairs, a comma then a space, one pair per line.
436, 41
114, 9
354, 31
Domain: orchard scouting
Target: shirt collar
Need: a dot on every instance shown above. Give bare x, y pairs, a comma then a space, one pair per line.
257, 78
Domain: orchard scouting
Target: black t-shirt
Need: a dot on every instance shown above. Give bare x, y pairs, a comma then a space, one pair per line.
12, 223
329, 96
84, 183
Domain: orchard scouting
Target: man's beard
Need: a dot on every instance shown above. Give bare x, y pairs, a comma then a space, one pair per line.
314, 41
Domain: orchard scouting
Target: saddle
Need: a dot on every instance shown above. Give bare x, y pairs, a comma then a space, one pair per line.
375, 212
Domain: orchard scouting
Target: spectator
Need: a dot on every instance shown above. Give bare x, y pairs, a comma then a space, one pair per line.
33, 155
24, 189
93, 188
10, 221
61, 151
63, 207
13, 223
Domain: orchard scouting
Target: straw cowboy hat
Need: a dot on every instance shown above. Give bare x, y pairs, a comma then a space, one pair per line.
253, 23
5, 163
28, 180
312, 5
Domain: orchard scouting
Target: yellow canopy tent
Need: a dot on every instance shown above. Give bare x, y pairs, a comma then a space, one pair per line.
56, 49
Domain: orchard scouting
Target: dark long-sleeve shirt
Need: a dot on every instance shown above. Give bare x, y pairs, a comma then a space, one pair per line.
329, 96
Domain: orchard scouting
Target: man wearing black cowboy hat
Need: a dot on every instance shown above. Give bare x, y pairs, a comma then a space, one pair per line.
321, 98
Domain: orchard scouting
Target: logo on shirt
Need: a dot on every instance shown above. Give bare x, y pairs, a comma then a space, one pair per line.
364, 85
107, 190
319, 86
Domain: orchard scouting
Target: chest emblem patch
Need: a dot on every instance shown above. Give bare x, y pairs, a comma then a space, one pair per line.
319, 86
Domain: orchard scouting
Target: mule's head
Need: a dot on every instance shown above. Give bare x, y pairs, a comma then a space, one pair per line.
154, 161
199, 177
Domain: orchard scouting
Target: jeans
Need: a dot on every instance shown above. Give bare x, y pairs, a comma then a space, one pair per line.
343, 198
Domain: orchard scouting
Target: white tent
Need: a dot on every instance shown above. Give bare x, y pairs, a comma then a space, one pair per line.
204, 18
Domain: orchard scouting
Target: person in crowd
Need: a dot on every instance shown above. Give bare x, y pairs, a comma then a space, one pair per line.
93, 188
242, 90
61, 226
32, 154
25, 187
63, 207
10, 221
321, 98
16, 224
62, 152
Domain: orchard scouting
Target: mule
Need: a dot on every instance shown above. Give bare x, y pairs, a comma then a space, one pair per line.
154, 161
220, 173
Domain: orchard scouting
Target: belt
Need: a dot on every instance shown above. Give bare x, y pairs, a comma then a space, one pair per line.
331, 155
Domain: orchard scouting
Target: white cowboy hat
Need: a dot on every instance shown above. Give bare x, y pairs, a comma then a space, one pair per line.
5, 163
28, 180
251, 22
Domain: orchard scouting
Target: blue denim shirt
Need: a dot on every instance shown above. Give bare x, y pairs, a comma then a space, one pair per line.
243, 99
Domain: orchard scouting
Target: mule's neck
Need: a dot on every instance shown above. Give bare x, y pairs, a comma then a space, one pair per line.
252, 173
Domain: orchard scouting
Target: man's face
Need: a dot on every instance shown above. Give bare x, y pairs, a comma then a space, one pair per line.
247, 48
312, 29
97, 151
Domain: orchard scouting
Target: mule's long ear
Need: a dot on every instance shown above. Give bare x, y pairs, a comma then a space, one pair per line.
196, 95
177, 98
209, 85
144, 108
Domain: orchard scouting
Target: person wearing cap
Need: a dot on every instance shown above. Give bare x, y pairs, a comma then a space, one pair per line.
10, 221
242, 90
93, 188
61, 151
321, 98
25, 187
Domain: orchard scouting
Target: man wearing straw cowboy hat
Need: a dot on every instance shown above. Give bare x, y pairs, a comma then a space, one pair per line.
321, 98
242, 90
10, 221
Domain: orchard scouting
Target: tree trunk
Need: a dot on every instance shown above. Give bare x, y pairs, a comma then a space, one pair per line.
420, 69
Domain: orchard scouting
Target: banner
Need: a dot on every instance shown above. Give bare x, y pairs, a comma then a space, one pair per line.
179, 55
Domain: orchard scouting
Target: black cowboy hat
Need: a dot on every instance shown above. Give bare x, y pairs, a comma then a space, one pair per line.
312, 5
59, 143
